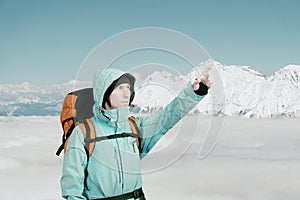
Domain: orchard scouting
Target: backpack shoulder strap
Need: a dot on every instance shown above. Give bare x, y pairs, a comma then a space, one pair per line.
89, 135
135, 129
90, 138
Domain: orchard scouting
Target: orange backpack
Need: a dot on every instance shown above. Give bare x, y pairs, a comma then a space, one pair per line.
77, 110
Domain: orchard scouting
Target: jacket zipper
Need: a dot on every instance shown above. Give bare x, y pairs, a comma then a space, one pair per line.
118, 164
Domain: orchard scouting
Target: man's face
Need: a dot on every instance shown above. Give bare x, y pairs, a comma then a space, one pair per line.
120, 96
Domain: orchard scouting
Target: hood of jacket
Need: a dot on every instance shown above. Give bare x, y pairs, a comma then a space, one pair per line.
102, 80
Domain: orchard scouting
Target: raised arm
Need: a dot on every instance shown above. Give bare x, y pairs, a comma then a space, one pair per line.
155, 126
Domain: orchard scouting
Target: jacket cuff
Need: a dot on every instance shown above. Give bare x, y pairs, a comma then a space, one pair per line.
203, 90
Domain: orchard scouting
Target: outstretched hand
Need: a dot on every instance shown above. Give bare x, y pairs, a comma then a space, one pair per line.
203, 78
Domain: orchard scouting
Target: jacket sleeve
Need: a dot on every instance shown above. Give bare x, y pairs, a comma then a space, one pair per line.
74, 164
155, 126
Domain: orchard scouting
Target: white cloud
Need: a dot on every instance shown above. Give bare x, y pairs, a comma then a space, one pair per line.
254, 159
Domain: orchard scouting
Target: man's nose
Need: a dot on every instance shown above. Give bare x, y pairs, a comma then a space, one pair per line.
127, 93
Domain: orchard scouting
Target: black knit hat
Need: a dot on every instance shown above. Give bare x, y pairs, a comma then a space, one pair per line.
125, 78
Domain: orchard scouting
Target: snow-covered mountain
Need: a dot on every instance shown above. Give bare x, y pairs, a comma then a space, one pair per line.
247, 92
238, 91
26, 99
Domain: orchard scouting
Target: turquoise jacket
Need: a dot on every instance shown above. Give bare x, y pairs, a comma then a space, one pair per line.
114, 166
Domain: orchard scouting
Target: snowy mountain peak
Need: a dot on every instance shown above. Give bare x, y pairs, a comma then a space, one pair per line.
162, 77
289, 73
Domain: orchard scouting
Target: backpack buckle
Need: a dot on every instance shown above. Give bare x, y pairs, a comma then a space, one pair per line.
136, 194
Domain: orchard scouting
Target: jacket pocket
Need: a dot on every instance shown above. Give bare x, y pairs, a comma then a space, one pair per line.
133, 146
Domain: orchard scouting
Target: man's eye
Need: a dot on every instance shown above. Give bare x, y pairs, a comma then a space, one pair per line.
122, 87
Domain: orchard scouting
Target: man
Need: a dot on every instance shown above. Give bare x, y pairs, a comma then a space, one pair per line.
113, 170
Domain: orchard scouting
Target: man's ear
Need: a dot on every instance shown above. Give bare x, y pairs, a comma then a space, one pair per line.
107, 105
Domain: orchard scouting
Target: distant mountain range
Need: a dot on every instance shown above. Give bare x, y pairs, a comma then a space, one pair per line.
242, 91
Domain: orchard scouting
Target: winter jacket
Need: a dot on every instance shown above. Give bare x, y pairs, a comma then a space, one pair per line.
114, 166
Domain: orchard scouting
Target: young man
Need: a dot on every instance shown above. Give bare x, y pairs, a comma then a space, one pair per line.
113, 170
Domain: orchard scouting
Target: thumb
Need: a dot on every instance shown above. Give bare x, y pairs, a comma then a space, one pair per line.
196, 84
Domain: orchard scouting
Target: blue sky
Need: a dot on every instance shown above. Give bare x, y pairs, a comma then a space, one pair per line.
45, 42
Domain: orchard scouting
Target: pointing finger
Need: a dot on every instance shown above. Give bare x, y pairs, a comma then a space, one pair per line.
207, 70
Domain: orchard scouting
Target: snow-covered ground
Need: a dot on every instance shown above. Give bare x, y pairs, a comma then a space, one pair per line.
253, 159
